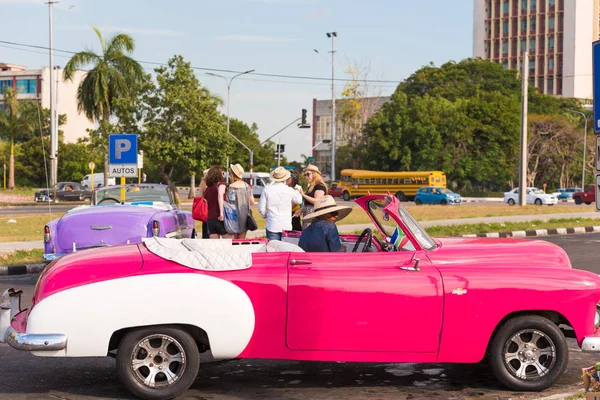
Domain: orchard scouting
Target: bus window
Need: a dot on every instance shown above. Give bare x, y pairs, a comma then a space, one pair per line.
361, 181
437, 179
355, 181
378, 181
395, 181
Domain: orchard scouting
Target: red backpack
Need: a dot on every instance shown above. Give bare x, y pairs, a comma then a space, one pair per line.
200, 209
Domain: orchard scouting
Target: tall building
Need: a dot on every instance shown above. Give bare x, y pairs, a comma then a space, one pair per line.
558, 35
34, 85
348, 129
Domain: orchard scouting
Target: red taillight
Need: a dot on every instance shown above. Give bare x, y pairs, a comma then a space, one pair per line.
155, 228
47, 234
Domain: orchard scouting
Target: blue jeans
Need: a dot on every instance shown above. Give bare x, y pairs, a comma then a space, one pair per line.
273, 235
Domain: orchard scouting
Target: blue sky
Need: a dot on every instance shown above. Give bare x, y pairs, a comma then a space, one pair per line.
393, 37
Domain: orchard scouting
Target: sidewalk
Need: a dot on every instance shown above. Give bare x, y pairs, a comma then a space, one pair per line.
10, 247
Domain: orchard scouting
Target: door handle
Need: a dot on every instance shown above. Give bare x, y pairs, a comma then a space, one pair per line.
414, 267
296, 262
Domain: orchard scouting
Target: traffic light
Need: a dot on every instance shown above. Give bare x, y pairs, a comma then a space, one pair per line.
281, 148
303, 117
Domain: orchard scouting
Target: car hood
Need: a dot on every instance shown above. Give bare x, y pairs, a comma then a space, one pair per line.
499, 253
104, 225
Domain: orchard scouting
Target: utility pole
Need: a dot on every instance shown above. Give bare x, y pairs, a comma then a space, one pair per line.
53, 132
332, 35
524, 156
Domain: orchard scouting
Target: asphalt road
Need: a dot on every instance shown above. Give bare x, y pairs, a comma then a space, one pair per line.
24, 376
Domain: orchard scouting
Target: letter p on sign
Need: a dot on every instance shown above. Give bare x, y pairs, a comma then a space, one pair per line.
122, 146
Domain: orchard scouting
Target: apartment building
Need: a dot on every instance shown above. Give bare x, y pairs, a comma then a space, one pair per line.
34, 85
557, 34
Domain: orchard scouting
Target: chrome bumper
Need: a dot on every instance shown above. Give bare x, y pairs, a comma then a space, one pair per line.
10, 305
591, 344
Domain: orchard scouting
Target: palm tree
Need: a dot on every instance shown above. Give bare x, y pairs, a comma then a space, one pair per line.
112, 76
16, 124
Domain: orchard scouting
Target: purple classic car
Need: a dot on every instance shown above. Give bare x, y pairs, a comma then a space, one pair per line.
118, 214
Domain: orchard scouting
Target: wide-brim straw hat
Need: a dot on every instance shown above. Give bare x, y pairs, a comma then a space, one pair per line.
325, 205
312, 168
237, 170
280, 174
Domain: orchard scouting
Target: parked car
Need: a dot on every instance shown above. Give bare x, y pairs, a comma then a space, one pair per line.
336, 190
437, 195
98, 180
118, 214
588, 196
258, 182
567, 194
558, 191
534, 196
65, 191
156, 305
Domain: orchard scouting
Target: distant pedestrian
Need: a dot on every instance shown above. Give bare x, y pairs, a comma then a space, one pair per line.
215, 197
293, 183
275, 204
316, 190
240, 195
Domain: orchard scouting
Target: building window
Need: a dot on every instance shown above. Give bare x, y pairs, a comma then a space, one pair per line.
551, 22
505, 64
533, 5
323, 127
505, 7
523, 45
550, 43
505, 27
523, 25
551, 3
551, 64
550, 86
532, 25
26, 86
559, 86
505, 47
531, 82
4, 84
532, 44
531, 66
524, 5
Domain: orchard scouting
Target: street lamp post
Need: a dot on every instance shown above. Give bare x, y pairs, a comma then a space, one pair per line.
332, 35
584, 145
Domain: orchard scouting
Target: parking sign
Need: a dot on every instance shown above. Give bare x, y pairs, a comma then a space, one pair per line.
122, 149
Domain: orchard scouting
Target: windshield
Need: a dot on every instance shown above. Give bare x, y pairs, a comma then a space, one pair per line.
447, 191
537, 191
388, 226
267, 181
134, 193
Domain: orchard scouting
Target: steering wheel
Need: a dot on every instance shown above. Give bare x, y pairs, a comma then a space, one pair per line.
368, 233
109, 198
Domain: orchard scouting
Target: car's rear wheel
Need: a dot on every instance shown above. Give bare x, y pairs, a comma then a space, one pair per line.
418, 202
157, 362
346, 195
538, 202
588, 202
528, 353
443, 202
511, 202
577, 200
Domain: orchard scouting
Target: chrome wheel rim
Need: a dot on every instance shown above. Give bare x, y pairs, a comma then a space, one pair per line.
529, 354
158, 361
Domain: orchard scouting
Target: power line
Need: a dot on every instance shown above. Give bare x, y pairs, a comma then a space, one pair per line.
285, 76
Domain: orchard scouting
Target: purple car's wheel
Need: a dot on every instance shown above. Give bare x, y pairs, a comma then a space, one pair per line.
528, 353
157, 363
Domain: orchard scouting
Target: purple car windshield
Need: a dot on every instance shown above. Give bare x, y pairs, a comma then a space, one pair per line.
133, 194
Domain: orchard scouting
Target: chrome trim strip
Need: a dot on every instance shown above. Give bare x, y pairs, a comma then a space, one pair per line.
35, 342
591, 344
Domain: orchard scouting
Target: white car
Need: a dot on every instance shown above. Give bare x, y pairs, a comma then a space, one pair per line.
534, 196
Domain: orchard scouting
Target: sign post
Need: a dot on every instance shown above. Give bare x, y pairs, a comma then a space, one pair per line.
91, 166
122, 158
596, 94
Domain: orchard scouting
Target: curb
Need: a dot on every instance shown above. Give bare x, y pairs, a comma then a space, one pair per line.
537, 232
21, 269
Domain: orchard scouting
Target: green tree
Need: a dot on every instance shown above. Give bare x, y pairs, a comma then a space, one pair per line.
16, 125
114, 72
182, 129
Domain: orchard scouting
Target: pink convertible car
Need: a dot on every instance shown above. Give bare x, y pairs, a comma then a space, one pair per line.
157, 305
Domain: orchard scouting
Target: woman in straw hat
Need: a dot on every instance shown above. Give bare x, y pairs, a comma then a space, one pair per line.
275, 204
316, 190
240, 195
322, 235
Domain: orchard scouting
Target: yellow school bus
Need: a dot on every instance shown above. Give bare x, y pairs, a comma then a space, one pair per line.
403, 185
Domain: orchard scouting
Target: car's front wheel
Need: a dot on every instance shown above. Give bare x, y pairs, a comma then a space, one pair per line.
511, 202
538, 202
157, 362
528, 353
418, 202
577, 200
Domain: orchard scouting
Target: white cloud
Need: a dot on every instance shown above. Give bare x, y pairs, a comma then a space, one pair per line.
110, 28
254, 38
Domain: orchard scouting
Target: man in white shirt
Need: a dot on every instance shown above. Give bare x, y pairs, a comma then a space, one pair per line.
275, 204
